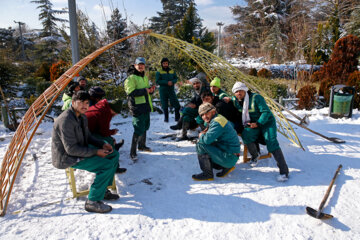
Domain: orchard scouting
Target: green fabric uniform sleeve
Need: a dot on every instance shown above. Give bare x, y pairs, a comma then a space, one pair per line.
199, 120
212, 134
158, 78
264, 110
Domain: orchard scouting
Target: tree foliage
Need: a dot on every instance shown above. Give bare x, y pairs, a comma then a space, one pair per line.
344, 61
172, 14
48, 17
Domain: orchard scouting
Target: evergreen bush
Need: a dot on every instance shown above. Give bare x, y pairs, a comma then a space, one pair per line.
307, 97
264, 73
253, 72
344, 61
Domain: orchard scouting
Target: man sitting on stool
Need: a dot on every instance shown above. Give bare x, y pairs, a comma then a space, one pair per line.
258, 120
218, 145
74, 146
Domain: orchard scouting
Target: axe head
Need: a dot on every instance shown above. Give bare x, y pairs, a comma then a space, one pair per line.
319, 215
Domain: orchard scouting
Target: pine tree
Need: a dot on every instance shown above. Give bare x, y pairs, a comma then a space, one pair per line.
274, 44
48, 19
255, 20
353, 26
119, 55
189, 26
190, 30
172, 14
6, 38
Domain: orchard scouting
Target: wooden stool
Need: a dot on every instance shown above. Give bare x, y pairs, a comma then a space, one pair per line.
72, 182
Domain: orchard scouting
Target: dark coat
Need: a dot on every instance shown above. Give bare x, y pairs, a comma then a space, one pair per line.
196, 99
99, 117
70, 139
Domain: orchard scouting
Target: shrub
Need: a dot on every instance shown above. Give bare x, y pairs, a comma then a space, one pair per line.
264, 73
57, 69
7, 73
185, 91
315, 77
303, 76
253, 72
43, 71
343, 62
29, 101
307, 97
41, 86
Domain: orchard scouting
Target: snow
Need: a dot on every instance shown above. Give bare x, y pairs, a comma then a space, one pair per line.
247, 204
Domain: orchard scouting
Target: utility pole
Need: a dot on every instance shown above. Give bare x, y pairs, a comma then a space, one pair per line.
220, 24
22, 40
73, 32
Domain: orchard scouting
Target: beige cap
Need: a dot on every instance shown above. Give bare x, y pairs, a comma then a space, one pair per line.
205, 108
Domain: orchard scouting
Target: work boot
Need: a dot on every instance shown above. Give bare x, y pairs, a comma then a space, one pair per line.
207, 171
225, 172
134, 143
119, 144
281, 163
110, 196
166, 115
142, 144
177, 114
97, 207
120, 170
185, 127
253, 150
178, 125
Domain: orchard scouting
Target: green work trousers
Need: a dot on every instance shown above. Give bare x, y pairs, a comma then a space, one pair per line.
224, 159
190, 114
141, 123
104, 168
168, 93
250, 135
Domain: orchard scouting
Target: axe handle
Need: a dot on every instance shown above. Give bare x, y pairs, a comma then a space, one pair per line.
328, 191
287, 110
298, 124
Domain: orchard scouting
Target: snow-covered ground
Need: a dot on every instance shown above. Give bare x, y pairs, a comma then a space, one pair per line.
159, 199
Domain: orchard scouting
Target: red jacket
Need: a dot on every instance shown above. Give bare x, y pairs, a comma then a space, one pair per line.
99, 117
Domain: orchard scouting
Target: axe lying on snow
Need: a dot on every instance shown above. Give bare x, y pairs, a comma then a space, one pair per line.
319, 214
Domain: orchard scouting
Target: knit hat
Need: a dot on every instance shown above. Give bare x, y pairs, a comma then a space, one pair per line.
96, 92
205, 108
164, 60
140, 60
239, 86
194, 80
215, 82
116, 105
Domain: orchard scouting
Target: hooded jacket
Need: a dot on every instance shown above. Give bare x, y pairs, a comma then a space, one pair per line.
136, 85
99, 117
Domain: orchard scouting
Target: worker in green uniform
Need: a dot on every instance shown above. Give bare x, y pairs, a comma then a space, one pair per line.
138, 90
166, 78
218, 145
258, 120
216, 90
